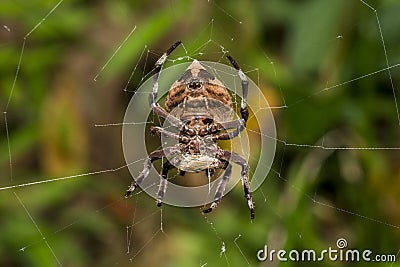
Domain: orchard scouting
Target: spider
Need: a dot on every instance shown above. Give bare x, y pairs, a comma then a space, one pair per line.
195, 104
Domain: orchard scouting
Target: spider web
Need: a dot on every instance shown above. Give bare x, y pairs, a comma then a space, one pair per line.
298, 172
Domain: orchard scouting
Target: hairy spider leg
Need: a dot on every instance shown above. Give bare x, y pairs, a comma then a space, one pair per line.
166, 167
155, 155
161, 112
153, 96
163, 182
236, 158
245, 88
220, 189
232, 134
158, 131
240, 124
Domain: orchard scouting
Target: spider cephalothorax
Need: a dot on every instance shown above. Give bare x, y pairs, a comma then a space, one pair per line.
200, 107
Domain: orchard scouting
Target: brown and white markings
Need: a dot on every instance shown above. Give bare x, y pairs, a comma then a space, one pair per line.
199, 105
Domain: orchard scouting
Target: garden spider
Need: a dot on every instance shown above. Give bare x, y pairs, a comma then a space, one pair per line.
200, 100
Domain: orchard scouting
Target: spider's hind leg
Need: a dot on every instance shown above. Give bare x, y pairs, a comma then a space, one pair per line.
221, 188
163, 182
236, 158
155, 155
166, 167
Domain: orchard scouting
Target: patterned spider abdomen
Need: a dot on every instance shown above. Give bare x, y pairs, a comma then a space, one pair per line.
198, 92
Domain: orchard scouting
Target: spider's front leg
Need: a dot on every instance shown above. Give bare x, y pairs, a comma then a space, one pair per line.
239, 124
245, 88
153, 96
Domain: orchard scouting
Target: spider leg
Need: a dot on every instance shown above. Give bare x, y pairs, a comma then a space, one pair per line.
245, 86
164, 178
157, 109
240, 124
232, 134
155, 155
209, 172
158, 130
163, 182
236, 158
237, 125
153, 96
220, 188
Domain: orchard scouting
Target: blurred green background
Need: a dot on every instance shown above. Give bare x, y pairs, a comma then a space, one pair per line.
292, 49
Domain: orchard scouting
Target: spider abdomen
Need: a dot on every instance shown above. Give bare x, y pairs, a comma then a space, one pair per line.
196, 83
